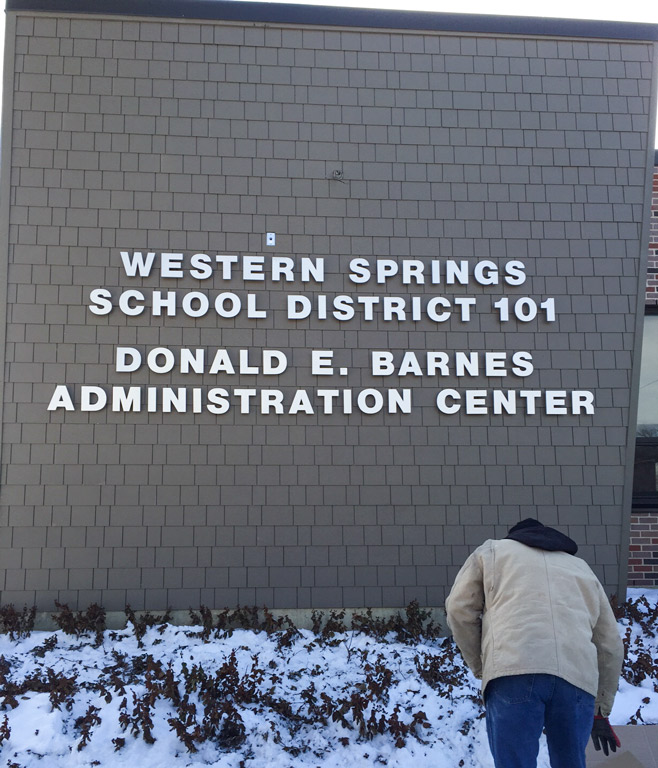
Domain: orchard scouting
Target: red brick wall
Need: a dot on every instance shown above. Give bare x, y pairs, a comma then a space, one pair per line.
643, 556
652, 273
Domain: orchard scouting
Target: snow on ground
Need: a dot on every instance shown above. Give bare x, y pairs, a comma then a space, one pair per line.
637, 698
271, 696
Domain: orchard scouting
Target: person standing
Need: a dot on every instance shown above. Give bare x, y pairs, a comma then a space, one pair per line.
533, 622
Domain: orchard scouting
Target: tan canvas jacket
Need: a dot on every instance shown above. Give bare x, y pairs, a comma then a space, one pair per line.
514, 610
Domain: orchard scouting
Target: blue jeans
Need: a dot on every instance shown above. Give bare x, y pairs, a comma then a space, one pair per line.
519, 707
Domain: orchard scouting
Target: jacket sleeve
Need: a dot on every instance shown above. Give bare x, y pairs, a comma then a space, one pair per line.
464, 606
610, 653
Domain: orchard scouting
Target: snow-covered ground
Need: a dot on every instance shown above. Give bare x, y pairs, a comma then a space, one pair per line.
275, 696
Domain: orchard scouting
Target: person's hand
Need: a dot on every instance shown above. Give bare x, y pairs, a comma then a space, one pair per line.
603, 736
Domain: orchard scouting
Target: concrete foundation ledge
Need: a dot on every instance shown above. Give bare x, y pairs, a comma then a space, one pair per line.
639, 749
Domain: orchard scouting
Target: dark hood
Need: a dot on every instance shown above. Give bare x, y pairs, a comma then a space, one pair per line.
533, 534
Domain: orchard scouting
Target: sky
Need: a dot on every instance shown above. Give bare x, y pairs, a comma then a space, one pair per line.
613, 10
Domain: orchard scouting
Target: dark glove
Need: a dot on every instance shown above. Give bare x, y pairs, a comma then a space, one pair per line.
603, 736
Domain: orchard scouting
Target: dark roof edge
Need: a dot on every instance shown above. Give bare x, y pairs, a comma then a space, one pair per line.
283, 13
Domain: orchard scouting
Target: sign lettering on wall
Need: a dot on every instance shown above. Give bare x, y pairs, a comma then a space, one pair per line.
484, 278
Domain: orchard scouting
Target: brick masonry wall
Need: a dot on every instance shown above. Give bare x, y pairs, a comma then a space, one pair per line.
202, 137
643, 559
652, 271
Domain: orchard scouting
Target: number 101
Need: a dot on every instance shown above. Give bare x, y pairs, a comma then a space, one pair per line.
525, 309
